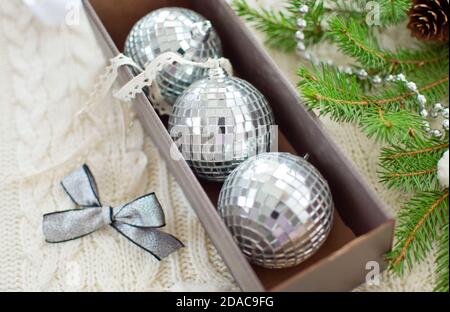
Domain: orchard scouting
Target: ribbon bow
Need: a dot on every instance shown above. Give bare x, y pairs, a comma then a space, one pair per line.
138, 220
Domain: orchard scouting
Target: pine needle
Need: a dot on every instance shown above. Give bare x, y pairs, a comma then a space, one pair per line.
419, 222
393, 11
412, 167
280, 29
356, 40
442, 269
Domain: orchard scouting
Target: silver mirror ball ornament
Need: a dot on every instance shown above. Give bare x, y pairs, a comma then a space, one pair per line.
278, 208
176, 30
219, 122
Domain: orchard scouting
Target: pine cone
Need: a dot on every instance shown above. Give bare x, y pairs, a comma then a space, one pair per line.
428, 19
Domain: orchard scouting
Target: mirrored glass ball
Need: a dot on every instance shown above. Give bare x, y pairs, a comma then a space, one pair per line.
278, 208
173, 30
219, 122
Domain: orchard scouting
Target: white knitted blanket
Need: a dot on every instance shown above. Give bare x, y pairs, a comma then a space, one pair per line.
46, 74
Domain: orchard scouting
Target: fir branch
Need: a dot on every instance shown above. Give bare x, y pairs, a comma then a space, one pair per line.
314, 31
330, 80
350, 8
326, 88
391, 126
280, 29
413, 60
356, 40
382, 114
419, 222
432, 81
398, 97
412, 167
442, 265
393, 11
411, 96
423, 150
320, 12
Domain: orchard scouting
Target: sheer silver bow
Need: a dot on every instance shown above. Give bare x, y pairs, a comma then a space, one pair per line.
138, 220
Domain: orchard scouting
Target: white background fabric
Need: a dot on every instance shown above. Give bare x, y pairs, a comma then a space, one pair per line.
46, 74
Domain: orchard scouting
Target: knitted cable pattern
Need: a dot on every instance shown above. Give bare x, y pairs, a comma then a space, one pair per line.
47, 74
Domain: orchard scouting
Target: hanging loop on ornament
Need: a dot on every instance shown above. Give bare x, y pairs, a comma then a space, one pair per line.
102, 88
106, 81
148, 76
145, 78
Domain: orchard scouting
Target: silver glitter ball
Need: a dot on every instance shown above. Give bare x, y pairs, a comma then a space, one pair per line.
445, 124
376, 79
301, 47
219, 122
434, 113
411, 86
278, 208
401, 77
303, 9
301, 23
176, 30
307, 56
362, 74
422, 99
438, 107
299, 35
445, 112
424, 113
348, 70
436, 133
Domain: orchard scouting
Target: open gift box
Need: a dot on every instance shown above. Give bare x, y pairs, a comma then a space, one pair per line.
362, 231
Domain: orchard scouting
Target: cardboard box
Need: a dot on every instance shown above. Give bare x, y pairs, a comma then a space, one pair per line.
362, 231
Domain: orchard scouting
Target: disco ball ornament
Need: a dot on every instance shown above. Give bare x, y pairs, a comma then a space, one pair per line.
219, 122
278, 208
176, 30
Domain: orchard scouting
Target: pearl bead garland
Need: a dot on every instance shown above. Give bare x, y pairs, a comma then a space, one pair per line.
438, 108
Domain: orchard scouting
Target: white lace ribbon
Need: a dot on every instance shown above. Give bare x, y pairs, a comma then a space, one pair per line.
145, 79
106, 81
148, 76
136, 85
